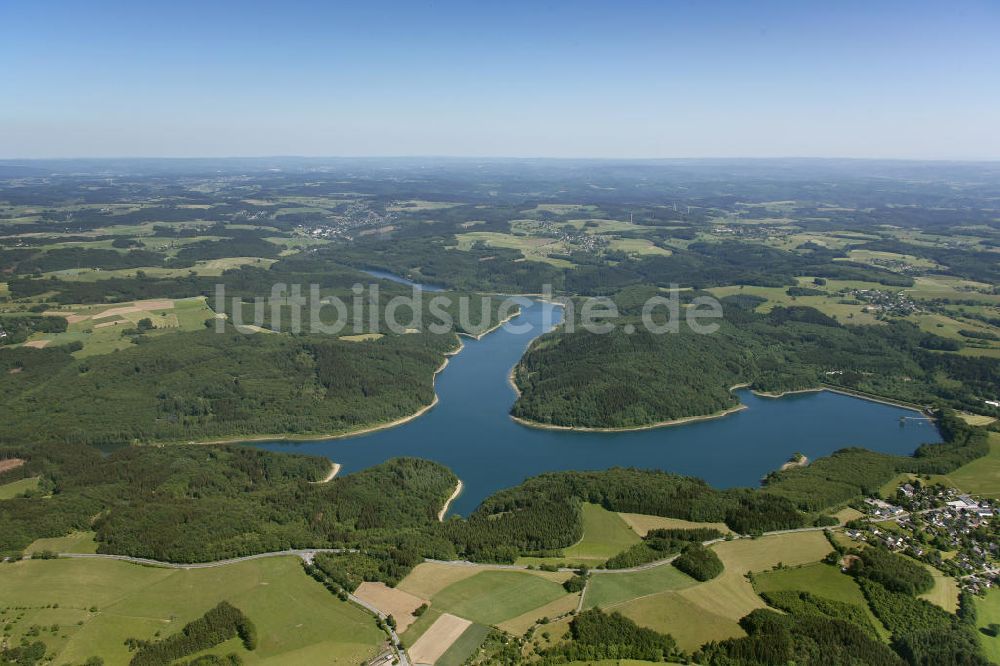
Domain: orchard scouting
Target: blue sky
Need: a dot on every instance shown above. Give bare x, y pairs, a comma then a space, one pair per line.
481, 78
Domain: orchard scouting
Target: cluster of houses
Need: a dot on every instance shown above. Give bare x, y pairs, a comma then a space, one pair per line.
882, 301
954, 532
358, 215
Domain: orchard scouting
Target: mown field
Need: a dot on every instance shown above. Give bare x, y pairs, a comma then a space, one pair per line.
669, 601
979, 477
511, 600
605, 534
945, 591
607, 591
988, 611
19, 487
76, 542
98, 604
643, 523
490, 597
821, 580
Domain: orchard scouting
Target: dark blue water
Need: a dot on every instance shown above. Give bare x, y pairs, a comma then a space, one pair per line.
392, 277
470, 431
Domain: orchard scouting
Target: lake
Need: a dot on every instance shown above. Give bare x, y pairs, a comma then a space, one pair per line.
471, 432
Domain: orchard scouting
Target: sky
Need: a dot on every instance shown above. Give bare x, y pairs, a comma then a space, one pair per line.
622, 79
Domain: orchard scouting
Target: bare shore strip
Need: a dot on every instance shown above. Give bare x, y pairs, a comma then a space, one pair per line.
651, 426
334, 470
458, 491
492, 328
854, 394
717, 415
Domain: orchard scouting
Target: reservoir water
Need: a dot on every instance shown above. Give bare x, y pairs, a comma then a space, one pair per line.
471, 432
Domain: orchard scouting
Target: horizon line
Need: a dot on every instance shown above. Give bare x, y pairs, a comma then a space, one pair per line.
989, 160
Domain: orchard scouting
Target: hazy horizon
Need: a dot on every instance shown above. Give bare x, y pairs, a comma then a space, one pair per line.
916, 81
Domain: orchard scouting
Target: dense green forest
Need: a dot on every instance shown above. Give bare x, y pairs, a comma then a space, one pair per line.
922, 632
197, 503
699, 562
895, 573
598, 635
621, 380
803, 636
202, 385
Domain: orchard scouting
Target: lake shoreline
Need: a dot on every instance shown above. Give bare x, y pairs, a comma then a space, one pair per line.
717, 415
652, 426
343, 435
847, 392
503, 321
444, 510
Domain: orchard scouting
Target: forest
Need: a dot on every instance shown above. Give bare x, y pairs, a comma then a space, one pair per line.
203, 385
621, 380
598, 635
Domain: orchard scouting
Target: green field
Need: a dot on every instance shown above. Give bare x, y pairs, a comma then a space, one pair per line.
420, 626
103, 602
490, 597
988, 612
462, 649
77, 542
607, 590
19, 487
845, 313
671, 613
104, 334
534, 248
945, 590
822, 580
979, 477
605, 534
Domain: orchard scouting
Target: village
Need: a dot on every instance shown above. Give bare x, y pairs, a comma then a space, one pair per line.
881, 301
952, 531
358, 216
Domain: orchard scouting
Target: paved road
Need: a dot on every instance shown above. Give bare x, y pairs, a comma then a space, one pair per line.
306, 554
403, 660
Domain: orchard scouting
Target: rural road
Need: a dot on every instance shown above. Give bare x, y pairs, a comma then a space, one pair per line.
305, 554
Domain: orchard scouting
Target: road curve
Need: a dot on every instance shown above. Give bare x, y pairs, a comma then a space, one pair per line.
306, 554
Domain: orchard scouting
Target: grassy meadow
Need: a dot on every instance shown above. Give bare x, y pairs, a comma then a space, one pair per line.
98, 604
979, 477
822, 580
988, 611
605, 534
491, 597
19, 487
